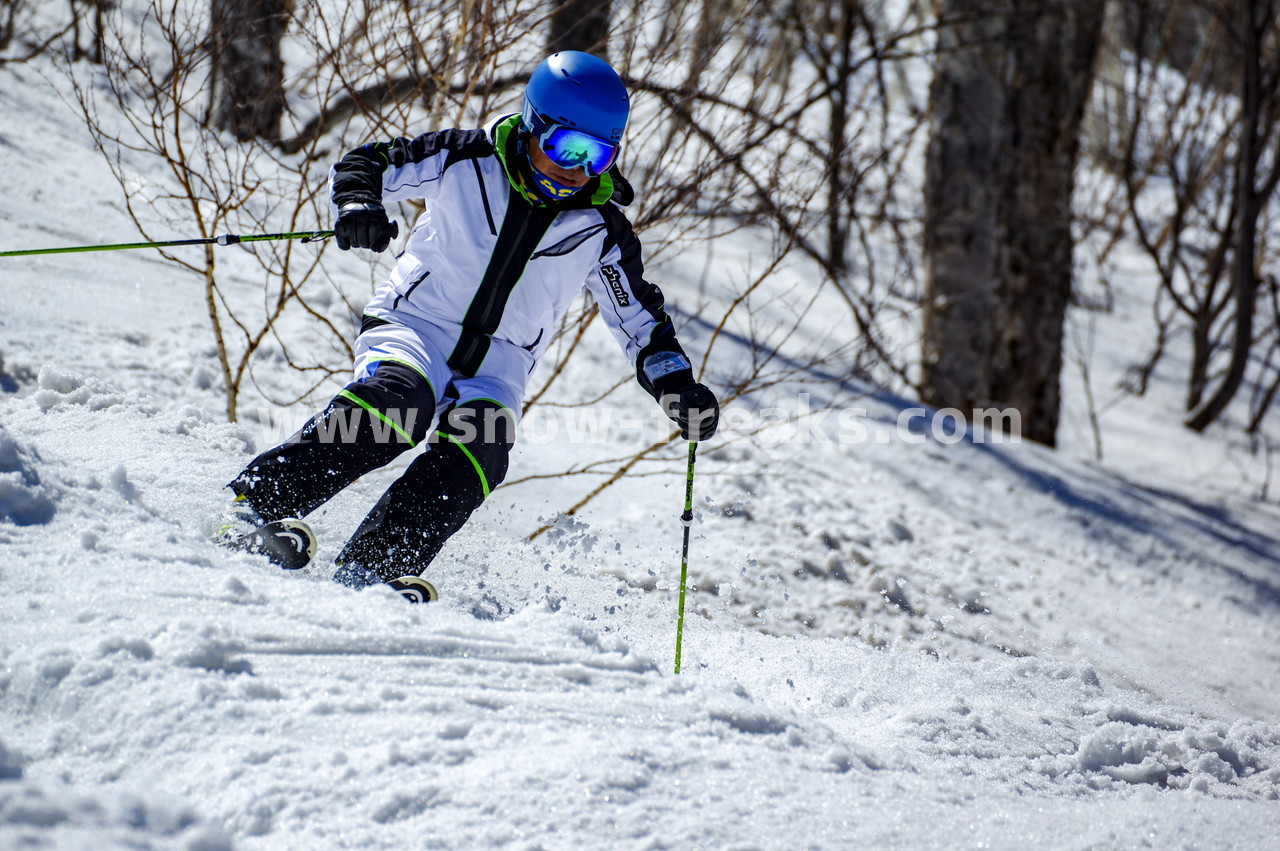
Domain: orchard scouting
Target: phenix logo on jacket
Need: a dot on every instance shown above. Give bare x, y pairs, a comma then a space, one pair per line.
491, 261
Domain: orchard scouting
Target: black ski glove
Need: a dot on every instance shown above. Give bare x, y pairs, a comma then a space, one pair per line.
695, 409
361, 225
691, 405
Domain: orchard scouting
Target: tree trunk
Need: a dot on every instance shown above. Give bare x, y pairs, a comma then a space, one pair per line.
247, 81
1254, 18
580, 25
1201, 357
1007, 101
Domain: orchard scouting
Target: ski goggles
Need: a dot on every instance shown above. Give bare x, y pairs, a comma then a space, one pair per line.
570, 149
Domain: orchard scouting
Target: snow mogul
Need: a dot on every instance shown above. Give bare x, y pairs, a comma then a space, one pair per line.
519, 216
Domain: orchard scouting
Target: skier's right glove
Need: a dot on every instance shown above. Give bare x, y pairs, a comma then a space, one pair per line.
690, 405
362, 225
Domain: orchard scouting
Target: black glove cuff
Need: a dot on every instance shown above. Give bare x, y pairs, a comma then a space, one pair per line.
664, 371
676, 382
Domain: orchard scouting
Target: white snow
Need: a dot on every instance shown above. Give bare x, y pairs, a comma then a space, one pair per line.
891, 643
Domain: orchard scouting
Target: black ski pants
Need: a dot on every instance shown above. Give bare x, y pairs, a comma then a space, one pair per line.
366, 426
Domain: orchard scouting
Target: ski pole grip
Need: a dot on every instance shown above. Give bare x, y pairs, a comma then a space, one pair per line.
395, 229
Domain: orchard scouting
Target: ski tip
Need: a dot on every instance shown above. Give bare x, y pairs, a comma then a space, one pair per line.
415, 589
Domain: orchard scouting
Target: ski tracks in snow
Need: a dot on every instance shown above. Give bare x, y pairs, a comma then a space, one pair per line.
158, 691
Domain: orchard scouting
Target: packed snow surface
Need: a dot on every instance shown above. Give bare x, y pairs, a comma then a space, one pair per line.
904, 642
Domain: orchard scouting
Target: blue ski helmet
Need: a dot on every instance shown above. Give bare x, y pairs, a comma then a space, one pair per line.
579, 91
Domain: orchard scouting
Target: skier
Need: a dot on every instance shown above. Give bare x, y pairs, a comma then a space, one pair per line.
519, 216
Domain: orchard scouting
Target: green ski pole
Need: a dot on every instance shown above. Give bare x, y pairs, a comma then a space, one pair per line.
687, 520
222, 239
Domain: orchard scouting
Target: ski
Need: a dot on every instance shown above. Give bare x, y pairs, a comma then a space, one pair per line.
288, 543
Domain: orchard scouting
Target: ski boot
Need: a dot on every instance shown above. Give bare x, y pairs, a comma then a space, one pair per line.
288, 543
415, 589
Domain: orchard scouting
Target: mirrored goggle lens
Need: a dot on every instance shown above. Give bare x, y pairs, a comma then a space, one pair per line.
573, 148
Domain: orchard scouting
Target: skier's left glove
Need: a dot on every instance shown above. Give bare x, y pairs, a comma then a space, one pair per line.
690, 405
362, 225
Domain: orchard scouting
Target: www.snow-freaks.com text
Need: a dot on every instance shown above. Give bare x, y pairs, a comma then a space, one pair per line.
800, 421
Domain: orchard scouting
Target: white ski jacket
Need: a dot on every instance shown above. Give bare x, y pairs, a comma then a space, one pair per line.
490, 259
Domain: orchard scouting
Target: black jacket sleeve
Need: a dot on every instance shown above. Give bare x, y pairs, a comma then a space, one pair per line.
402, 164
